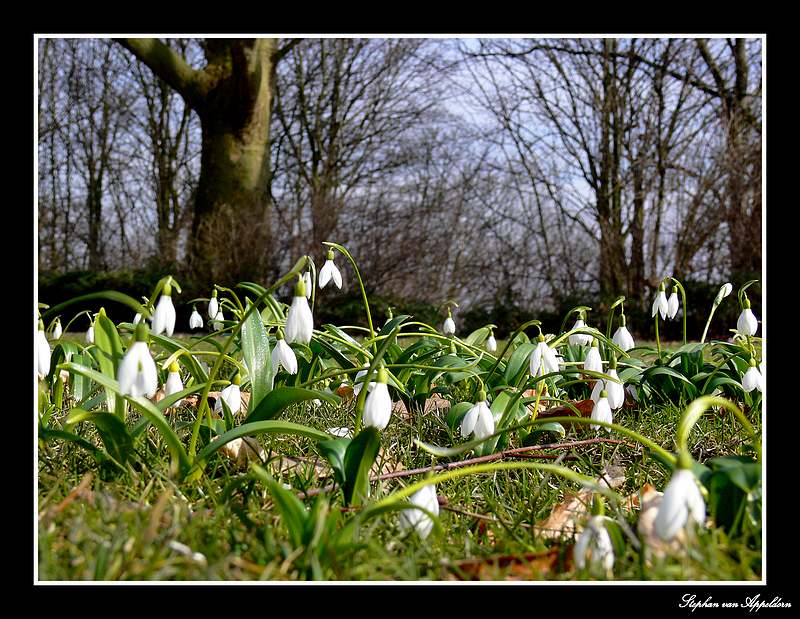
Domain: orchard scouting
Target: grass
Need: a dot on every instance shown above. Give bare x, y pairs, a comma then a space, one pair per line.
96, 523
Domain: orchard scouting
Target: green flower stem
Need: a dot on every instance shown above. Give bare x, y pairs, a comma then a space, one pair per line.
578, 309
344, 251
695, 410
683, 299
619, 301
233, 294
658, 341
203, 407
708, 322
510, 340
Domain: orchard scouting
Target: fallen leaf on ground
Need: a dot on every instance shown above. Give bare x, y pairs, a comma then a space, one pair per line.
528, 566
584, 406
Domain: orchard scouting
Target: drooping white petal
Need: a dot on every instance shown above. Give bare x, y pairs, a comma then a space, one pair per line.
43, 354
536, 359
358, 385
747, 323
378, 407
660, 305
672, 305
550, 361
137, 318
328, 272
623, 338
137, 374
218, 318
682, 500
232, 395
173, 385
491, 344
724, 291
468, 421
602, 412
593, 361
337, 275
484, 425
751, 379
449, 326
595, 542
90, 334
426, 498
213, 307
308, 283
616, 391
579, 339
299, 322
283, 355
195, 320
57, 331
164, 316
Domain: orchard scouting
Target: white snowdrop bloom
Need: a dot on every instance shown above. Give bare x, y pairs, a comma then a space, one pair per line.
307, 281
616, 391
580, 339
378, 406
752, 378
479, 419
660, 303
174, 383
623, 338
672, 305
543, 359
602, 411
232, 395
594, 542
449, 326
43, 352
164, 314
195, 320
90, 334
724, 291
283, 356
137, 374
681, 504
217, 322
593, 361
57, 331
299, 321
137, 318
330, 271
491, 344
213, 305
425, 497
747, 323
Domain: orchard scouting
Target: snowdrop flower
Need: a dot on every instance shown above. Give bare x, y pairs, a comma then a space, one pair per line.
580, 339
660, 303
330, 271
378, 407
137, 374
622, 337
682, 503
213, 305
307, 281
299, 321
616, 390
747, 323
57, 329
283, 356
90, 334
164, 314
195, 320
595, 542
543, 358
593, 362
449, 325
217, 322
425, 497
137, 318
232, 395
724, 291
42, 348
752, 379
479, 419
491, 343
672, 305
602, 410
174, 383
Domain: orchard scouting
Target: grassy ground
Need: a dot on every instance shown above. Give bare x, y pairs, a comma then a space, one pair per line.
96, 523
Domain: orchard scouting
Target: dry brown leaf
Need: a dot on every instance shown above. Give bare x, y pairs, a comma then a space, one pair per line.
244, 450
528, 566
584, 406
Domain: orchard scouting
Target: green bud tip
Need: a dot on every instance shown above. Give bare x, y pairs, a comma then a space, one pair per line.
141, 332
279, 334
746, 303
540, 337
482, 396
330, 254
300, 288
603, 393
237, 380
167, 289
173, 367
661, 287
383, 375
752, 362
214, 293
